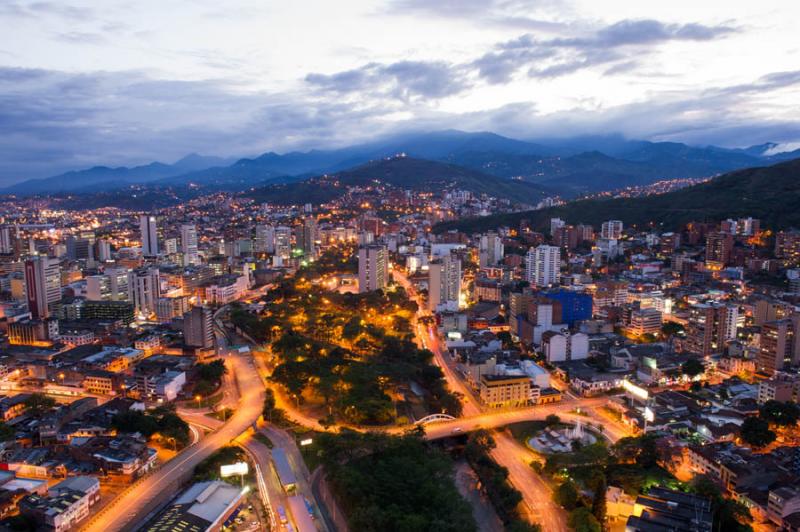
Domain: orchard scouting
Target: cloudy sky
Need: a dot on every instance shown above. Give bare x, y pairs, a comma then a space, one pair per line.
121, 83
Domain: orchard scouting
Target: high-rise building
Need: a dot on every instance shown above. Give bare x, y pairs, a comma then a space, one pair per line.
6, 244
490, 249
198, 328
80, 247
42, 285
542, 266
148, 226
555, 223
611, 229
373, 268
444, 282
779, 345
144, 290
718, 249
98, 288
283, 241
710, 326
787, 246
171, 246
310, 236
103, 250
265, 239
189, 245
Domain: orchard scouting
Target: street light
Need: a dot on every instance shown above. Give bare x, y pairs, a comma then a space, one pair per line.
198, 397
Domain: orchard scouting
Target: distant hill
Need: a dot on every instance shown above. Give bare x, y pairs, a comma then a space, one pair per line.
101, 178
770, 193
406, 173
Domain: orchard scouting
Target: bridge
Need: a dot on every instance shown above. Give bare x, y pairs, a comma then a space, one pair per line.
434, 418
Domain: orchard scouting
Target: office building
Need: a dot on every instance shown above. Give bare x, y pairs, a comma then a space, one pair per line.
444, 282
373, 268
148, 228
42, 285
542, 266
497, 391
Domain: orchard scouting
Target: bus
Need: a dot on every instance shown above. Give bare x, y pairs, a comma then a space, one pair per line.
282, 515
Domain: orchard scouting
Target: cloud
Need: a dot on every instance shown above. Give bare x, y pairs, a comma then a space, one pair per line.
516, 14
403, 80
80, 37
624, 41
38, 9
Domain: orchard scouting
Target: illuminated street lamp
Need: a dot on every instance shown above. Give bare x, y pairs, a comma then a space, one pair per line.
198, 397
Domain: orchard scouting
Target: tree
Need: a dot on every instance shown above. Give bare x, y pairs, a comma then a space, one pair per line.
38, 403
671, 328
599, 500
6, 433
582, 520
756, 432
552, 420
780, 413
566, 495
692, 368
728, 514
213, 371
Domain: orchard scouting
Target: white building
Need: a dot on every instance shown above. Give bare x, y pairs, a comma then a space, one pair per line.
373, 268
444, 283
283, 241
189, 245
560, 347
611, 230
543, 266
227, 289
265, 239
144, 288
490, 250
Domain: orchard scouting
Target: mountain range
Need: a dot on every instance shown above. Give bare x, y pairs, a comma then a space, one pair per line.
403, 172
771, 194
570, 166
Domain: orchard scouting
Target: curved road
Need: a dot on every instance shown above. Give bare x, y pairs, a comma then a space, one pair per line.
124, 512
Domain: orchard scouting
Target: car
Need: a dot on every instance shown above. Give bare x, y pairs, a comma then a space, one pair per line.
457, 429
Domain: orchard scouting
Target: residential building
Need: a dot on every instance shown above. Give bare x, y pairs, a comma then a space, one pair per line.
543, 266
444, 282
373, 268
611, 230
